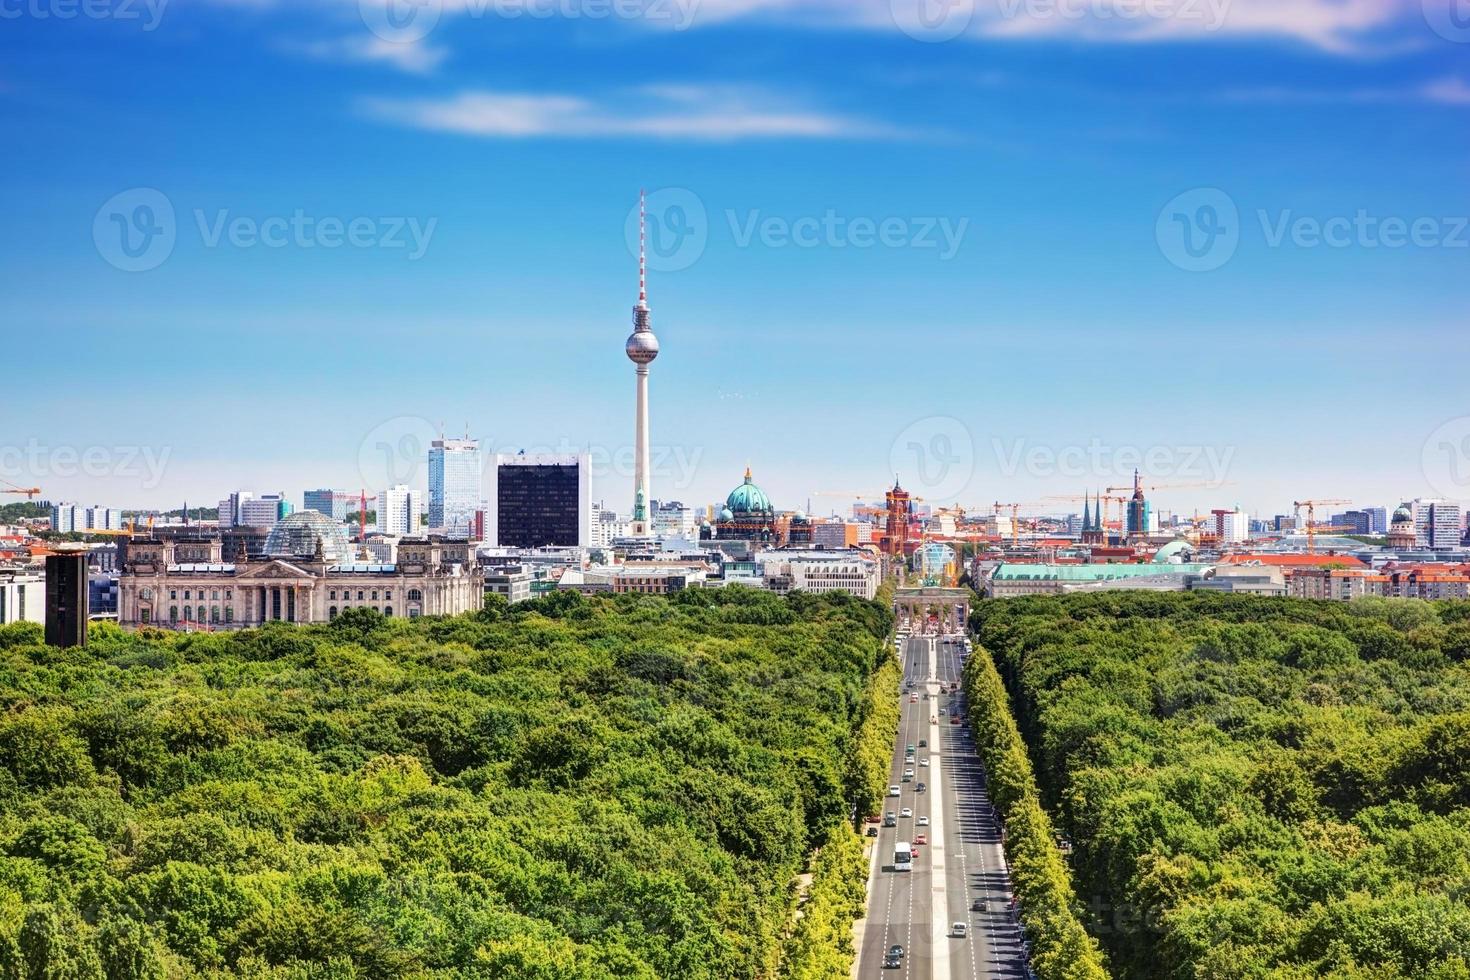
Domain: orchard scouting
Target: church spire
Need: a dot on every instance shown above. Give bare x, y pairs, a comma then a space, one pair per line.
1086, 512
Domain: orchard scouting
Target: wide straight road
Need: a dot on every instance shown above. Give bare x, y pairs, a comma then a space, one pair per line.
959, 863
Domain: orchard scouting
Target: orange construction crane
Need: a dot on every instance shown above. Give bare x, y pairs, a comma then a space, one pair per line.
1312, 526
30, 492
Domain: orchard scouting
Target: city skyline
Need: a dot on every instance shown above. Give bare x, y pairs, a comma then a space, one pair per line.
1028, 297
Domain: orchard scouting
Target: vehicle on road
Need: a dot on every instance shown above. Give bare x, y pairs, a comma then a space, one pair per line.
980, 905
959, 930
921, 838
872, 831
890, 819
924, 821
906, 812
913, 699
909, 773
924, 762
920, 788
903, 856
895, 950
895, 791
923, 743
891, 962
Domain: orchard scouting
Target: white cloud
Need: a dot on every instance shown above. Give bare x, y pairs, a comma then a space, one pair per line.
711, 113
1451, 91
417, 58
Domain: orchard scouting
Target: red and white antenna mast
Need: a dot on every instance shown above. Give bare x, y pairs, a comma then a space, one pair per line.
642, 248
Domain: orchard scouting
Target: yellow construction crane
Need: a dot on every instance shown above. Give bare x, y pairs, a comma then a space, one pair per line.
1312, 526
1015, 518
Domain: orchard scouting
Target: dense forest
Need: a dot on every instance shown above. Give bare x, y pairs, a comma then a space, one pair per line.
1256, 788
572, 789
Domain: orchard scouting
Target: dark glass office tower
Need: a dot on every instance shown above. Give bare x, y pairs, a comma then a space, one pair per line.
541, 501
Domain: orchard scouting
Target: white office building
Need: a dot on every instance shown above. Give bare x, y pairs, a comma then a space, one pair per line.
399, 512
1436, 523
22, 596
672, 519
68, 517
262, 511
1233, 526
455, 494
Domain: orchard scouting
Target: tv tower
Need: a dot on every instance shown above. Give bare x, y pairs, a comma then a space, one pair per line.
641, 348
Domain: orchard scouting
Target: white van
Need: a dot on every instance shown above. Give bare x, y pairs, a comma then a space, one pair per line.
959, 930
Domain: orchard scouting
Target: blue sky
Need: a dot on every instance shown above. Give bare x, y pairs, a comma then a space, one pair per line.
1008, 263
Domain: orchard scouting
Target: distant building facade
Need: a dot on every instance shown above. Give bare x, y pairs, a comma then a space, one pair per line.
455, 476
541, 500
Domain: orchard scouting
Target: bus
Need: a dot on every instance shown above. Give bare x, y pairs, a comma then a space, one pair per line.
903, 857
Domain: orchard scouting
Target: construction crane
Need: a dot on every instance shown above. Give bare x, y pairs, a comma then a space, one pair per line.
1104, 520
1015, 518
30, 493
1312, 526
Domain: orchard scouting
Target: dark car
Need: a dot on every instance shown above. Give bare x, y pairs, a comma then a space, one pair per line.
895, 950
892, 962
872, 831
923, 743
919, 788
981, 905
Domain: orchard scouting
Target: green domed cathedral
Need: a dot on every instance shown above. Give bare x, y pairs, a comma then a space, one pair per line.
747, 514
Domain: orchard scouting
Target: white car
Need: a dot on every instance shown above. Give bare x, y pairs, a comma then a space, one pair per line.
894, 791
905, 812
924, 761
923, 821
959, 930
908, 774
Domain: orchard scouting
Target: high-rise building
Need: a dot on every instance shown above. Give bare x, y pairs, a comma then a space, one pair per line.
1436, 523
67, 517
541, 500
672, 519
262, 511
104, 519
229, 508
641, 348
454, 486
336, 504
1232, 526
399, 511
1140, 520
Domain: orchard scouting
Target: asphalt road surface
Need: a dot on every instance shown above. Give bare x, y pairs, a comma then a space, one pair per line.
962, 861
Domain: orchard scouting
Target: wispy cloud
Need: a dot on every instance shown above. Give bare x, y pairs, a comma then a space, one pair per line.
1450, 91
1339, 26
1447, 91
418, 58
705, 113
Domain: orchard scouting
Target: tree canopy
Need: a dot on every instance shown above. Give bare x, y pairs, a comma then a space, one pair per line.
566, 788
1256, 787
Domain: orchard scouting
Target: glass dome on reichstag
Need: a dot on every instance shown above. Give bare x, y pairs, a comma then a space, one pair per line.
299, 534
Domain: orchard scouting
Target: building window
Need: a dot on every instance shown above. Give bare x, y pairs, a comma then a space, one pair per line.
375, 595
229, 593
173, 614
188, 612
332, 613
173, 593
145, 593
388, 594
415, 595
214, 595
387, 610
214, 614
332, 594
146, 615
359, 595
229, 614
